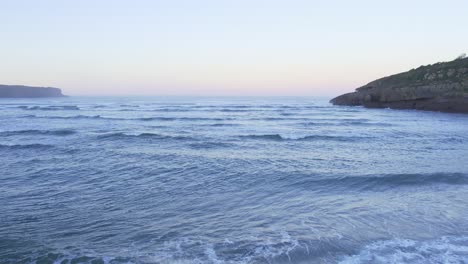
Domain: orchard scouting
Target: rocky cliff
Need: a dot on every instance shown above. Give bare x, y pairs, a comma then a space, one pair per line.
20, 91
437, 87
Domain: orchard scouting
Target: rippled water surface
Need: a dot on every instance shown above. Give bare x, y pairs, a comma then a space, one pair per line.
230, 180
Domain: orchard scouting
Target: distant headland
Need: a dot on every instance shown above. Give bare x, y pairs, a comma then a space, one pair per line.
21, 91
440, 87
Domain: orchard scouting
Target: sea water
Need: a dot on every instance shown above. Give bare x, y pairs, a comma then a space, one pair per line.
230, 180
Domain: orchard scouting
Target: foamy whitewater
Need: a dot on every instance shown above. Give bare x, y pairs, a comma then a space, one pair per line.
230, 180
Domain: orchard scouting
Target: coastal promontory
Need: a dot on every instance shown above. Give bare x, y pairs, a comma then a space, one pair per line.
440, 87
21, 91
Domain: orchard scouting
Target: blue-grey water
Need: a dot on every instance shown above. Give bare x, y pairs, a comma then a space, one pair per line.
230, 180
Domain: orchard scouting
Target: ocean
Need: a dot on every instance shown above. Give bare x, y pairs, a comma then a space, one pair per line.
230, 180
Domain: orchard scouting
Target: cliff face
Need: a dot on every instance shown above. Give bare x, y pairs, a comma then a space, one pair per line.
20, 91
438, 87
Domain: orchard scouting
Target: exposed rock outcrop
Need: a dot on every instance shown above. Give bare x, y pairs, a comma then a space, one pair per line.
437, 87
20, 91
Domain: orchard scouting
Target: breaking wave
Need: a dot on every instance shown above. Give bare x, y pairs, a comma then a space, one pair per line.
346, 123
277, 137
50, 108
285, 249
181, 119
131, 119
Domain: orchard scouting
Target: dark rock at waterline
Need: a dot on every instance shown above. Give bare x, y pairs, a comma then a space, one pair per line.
437, 87
20, 91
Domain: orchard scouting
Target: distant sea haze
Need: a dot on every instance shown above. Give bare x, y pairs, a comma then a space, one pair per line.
230, 180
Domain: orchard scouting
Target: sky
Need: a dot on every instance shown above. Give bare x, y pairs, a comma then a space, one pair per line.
223, 47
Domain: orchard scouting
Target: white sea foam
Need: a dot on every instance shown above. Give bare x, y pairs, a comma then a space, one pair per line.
442, 250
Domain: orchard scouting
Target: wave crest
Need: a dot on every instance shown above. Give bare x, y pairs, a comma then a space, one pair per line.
25, 146
59, 132
376, 182
121, 135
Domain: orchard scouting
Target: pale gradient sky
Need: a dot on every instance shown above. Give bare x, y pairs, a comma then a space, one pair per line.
216, 47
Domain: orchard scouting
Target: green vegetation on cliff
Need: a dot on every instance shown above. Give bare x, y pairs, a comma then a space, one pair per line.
452, 71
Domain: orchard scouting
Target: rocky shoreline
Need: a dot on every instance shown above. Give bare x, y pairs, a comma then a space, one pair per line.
438, 87
21, 91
